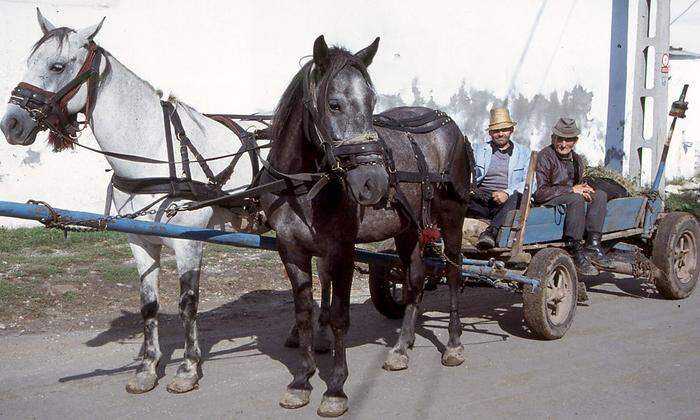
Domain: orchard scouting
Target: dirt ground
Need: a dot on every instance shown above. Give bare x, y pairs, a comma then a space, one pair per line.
52, 284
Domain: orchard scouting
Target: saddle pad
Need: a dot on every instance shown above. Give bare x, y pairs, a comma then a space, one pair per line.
419, 120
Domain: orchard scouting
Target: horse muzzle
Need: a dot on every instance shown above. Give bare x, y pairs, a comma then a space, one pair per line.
18, 127
368, 184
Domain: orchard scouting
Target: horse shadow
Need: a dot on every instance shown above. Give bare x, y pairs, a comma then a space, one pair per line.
267, 315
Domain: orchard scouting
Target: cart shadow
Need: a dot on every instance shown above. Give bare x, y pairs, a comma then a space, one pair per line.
267, 315
628, 286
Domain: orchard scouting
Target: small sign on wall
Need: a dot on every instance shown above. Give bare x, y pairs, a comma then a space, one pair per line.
664, 63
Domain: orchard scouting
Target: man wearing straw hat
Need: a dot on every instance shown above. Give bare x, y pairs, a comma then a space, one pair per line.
501, 167
559, 176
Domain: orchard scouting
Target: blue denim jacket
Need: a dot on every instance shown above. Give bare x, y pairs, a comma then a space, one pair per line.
517, 167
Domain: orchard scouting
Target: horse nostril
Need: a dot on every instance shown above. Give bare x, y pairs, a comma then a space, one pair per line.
370, 185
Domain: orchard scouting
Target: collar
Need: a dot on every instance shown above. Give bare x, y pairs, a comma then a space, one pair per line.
508, 150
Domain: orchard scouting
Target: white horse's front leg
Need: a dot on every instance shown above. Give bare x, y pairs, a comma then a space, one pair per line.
189, 260
147, 258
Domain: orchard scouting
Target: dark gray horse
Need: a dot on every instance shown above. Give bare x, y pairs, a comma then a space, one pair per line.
324, 124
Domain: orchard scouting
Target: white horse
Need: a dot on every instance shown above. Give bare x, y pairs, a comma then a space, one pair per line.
127, 117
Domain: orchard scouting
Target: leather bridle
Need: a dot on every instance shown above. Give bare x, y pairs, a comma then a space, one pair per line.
50, 109
339, 156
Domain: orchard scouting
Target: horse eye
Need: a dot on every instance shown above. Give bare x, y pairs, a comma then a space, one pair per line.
334, 105
57, 67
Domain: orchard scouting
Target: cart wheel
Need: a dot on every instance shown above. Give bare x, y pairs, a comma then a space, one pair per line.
386, 287
675, 252
549, 310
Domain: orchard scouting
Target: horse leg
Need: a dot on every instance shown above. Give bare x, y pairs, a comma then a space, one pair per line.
298, 267
147, 258
189, 261
338, 271
322, 332
409, 251
453, 354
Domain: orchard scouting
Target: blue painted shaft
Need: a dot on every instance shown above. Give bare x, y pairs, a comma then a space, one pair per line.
245, 240
492, 273
39, 212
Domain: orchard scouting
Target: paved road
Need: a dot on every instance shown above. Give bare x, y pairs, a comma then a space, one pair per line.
626, 356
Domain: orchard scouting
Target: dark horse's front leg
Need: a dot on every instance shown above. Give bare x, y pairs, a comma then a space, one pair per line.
337, 271
322, 330
409, 251
298, 266
453, 354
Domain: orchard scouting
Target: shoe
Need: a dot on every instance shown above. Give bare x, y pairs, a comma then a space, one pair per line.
593, 248
486, 240
581, 261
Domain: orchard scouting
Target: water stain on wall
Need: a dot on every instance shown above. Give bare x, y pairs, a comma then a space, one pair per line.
535, 116
31, 159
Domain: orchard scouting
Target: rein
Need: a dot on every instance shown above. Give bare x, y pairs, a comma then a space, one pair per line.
50, 111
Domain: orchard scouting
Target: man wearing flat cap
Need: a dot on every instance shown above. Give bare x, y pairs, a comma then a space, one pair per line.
558, 174
501, 167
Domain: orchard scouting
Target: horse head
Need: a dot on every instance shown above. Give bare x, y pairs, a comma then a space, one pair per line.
340, 99
53, 89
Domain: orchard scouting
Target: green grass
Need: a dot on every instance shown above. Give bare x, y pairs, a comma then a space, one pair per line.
687, 201
69, 296
117, 273
42, 239
13, 290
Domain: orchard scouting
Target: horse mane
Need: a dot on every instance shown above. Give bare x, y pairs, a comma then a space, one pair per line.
61, 34
294, 94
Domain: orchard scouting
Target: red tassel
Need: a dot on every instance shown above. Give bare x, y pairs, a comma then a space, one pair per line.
429, 235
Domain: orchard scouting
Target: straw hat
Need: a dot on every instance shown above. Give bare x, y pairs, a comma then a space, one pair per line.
499, 119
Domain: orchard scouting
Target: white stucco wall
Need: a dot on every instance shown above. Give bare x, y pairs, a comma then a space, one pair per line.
238, 57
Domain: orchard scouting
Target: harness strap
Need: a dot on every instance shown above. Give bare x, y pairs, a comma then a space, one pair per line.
167, 109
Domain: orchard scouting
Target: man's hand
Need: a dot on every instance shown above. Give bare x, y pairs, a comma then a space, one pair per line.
585, 190
499, 197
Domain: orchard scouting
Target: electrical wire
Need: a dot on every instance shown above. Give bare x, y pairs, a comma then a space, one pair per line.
683, 12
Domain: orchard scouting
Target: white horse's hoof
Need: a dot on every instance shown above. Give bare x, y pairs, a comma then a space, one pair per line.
295, 398
395, 361
182, 384
332, 406
141, 382
453, 356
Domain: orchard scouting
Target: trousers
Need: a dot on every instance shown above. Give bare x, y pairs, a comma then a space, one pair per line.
582, 216
492, 211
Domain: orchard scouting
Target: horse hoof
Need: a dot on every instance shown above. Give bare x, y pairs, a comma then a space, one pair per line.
182, 384
295, 398
332, 406
141, 382
395, 361
453, 356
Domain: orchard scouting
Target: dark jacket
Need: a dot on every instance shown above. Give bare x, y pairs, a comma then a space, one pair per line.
552, 176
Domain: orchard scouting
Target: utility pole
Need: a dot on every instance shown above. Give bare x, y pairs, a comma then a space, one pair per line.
650, 92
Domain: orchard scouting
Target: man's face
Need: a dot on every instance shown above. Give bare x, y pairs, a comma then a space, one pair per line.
563, 145
501, 137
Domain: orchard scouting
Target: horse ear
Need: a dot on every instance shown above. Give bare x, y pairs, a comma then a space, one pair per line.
320, 52
44, 23
366, 55
90, 32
